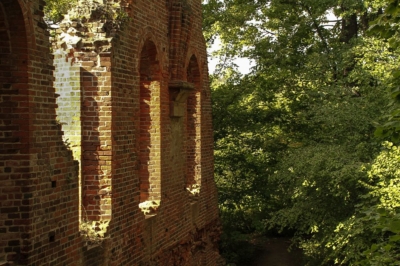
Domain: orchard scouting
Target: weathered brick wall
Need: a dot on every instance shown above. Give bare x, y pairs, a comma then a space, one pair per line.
15, 138
38, 177
128, 124
67, 84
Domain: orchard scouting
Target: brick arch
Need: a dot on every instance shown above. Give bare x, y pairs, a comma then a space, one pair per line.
193, 125
193, 73
14, 107
15, 120
28, 22
193, 54
149, 142
149, 66
146, 37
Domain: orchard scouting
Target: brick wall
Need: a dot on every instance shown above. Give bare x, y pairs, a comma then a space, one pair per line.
14, 145
149, 124
120, 138
193, 126
38, 178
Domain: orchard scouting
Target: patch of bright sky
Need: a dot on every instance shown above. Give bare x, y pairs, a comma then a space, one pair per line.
244, 64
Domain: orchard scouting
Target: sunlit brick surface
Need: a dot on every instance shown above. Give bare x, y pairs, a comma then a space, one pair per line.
114, 118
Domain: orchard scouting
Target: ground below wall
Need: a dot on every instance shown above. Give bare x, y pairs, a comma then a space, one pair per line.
275, 252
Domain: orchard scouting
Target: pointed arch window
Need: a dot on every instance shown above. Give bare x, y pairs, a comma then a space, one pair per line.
149, 142
193, 129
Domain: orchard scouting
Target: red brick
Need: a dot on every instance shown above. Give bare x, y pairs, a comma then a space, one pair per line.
114, 133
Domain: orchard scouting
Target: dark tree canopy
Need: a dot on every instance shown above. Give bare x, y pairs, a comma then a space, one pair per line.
295, 143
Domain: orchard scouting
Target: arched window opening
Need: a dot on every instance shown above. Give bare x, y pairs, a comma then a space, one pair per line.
150, 130
193, 130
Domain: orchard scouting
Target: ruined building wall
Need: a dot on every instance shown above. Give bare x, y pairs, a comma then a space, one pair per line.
38, 176
110, 164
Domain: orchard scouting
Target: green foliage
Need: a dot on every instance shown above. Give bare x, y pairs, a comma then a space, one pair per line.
56, 9
235, 245
387, 26
111, 13
98, 10
295, 149
371, 235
